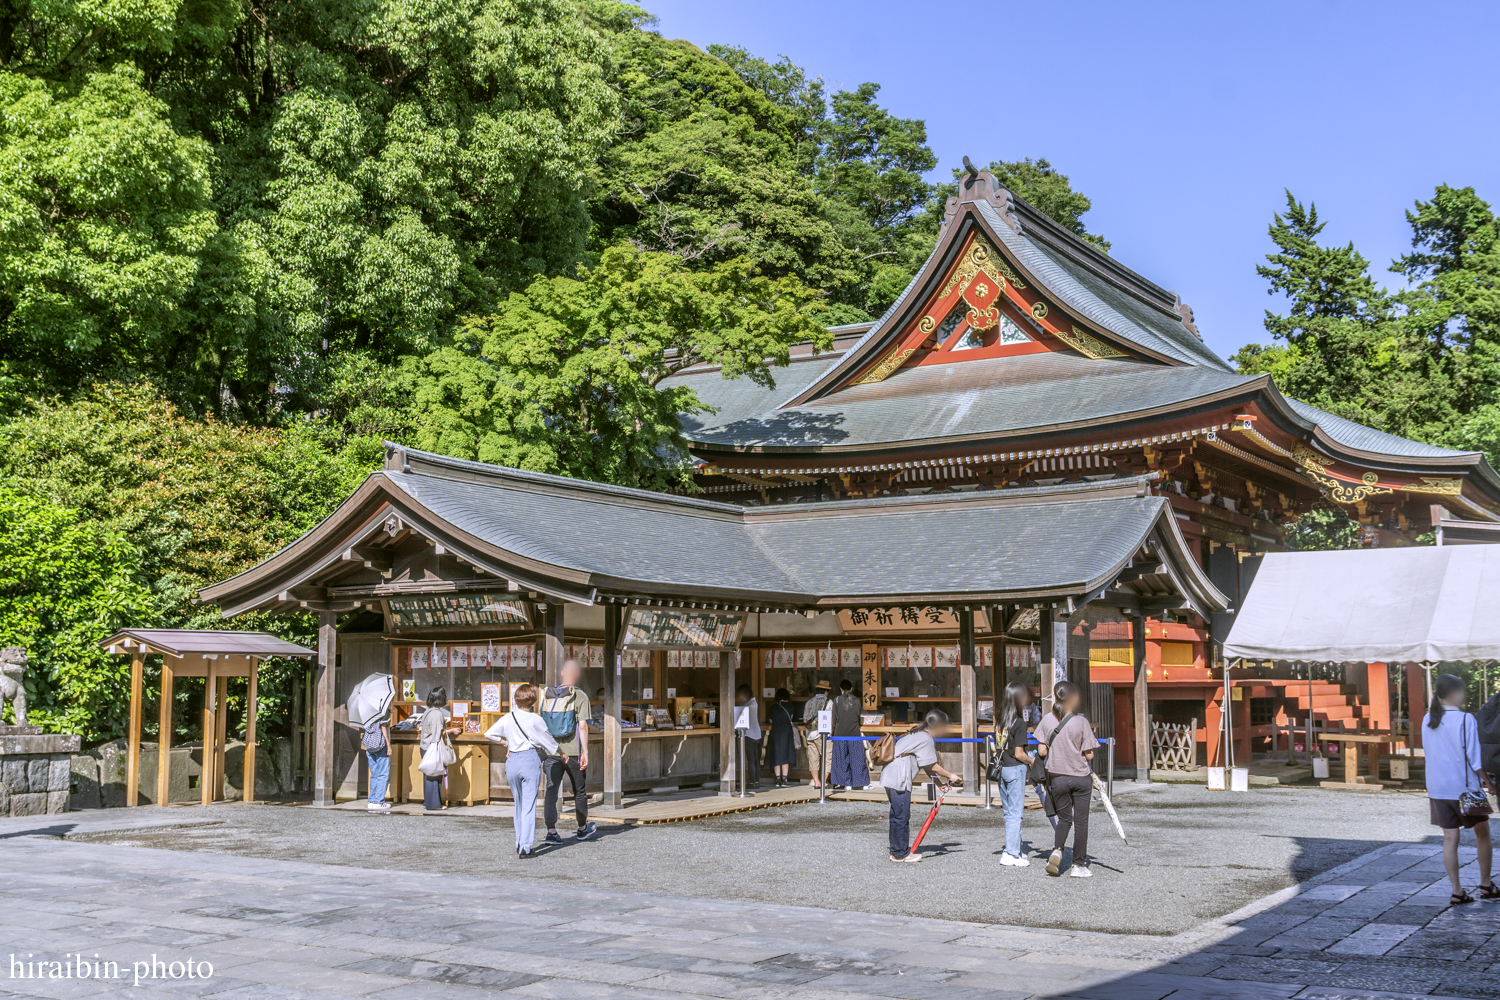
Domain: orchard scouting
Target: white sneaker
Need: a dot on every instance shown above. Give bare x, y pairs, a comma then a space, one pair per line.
1054, 863
1011, 861
379, 807
1078, 871
910, 859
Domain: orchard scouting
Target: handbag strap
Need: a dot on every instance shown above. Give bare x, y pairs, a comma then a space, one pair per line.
1463, 738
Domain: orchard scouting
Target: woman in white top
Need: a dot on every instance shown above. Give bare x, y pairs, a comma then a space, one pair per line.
526, 738
1450, 744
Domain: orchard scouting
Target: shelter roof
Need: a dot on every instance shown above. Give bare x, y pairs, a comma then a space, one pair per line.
178, 642
589, 542
1425, 603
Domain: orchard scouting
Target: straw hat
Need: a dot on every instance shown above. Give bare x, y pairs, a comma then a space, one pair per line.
822, 686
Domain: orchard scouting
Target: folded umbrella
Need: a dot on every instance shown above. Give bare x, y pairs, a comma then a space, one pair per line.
371, 699
1109, 807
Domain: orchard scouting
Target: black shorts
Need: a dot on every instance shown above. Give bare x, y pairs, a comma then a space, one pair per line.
1446, 816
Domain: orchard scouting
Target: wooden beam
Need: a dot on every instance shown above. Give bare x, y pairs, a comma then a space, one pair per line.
1142, 701
613, 742
133, 758
164, 736
1044, 646
728, 662
251, 695
968, 709
322, 750
552, 643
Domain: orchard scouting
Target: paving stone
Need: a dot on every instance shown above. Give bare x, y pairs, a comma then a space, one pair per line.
1373, 939
444, 972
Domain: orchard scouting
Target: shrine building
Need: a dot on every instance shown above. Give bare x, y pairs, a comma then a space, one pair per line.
1031, 467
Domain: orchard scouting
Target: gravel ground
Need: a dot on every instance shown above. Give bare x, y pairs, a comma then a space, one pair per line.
1196, 854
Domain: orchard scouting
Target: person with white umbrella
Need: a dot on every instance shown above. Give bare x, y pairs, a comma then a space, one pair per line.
369, 708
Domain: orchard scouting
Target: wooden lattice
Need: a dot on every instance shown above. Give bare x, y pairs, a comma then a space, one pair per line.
1174, 747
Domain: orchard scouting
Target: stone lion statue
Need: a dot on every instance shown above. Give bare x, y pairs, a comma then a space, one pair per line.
12, 669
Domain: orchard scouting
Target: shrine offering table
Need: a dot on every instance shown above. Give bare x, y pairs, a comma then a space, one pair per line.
468, 777
1353, 742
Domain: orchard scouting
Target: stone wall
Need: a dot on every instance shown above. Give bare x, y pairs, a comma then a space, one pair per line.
98, 776
34, 771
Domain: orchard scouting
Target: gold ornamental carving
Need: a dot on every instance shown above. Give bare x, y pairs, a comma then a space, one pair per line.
1445, 487
888, 364
1339, 491
979, 257
1086, 343
1039, 309
928, 324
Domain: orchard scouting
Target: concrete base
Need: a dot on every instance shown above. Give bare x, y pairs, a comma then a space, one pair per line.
34, 771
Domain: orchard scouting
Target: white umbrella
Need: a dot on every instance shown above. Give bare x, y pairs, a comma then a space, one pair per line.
371, 699
1109, 807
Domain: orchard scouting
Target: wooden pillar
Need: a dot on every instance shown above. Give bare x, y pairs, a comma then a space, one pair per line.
728, 662
1142, 700
1049, 663
968, 708
133, 759
323, 693
1416, 701
210, 734
164, 736
221, 733
1378, 687
252, 683
613, 742
552, 643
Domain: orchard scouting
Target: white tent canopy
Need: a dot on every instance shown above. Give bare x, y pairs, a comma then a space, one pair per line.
1371, 605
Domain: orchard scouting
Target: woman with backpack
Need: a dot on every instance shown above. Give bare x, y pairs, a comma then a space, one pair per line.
526, 740
434, 729
1456, 783
1015, 760
1066, 743
781, 746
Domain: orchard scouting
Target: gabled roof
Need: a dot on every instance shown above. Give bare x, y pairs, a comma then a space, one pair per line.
177, 642
588, 542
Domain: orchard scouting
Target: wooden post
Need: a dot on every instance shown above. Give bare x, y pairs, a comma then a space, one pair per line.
1049, 667
552, 643
968, 693
614, 743
210, 734
322, 740
221, 733
133, 760
251, 694
164, 736
728, 662
1142, 701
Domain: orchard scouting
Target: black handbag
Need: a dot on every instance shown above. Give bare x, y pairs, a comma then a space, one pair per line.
1037, 771
1474, 804
992, 772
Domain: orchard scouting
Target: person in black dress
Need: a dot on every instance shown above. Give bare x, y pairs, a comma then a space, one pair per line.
781, 748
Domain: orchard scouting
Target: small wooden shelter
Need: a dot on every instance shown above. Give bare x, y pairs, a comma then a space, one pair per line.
215, 656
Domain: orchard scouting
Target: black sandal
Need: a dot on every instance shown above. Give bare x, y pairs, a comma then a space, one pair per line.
1460, 897
1490, 891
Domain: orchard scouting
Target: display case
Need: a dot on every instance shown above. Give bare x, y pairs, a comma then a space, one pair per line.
798, 669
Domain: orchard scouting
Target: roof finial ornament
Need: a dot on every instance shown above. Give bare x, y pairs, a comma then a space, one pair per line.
981, 185
972, 171
1186, 312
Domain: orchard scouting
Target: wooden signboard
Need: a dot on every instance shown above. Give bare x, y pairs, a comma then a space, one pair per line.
906, 618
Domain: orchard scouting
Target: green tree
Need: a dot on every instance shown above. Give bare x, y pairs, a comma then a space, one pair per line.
788, 86
65, 583
1343, 344
564, 377
105, 210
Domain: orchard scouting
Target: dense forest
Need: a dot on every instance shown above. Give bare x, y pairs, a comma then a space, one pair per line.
245, 243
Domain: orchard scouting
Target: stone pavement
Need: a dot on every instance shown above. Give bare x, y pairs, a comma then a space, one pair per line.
1372, 928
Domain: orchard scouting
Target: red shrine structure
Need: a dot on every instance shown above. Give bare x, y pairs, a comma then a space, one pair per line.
1021, 355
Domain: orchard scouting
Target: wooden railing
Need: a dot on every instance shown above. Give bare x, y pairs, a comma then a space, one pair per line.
1174, 747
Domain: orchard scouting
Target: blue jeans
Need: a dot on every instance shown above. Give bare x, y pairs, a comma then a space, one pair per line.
523, 772
900, 822
380, 773
1013, 801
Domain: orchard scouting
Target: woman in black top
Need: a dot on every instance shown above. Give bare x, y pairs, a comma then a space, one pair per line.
781, 748
1013, 765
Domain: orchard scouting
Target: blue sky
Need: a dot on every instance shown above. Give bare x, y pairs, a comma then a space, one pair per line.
1182, 121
